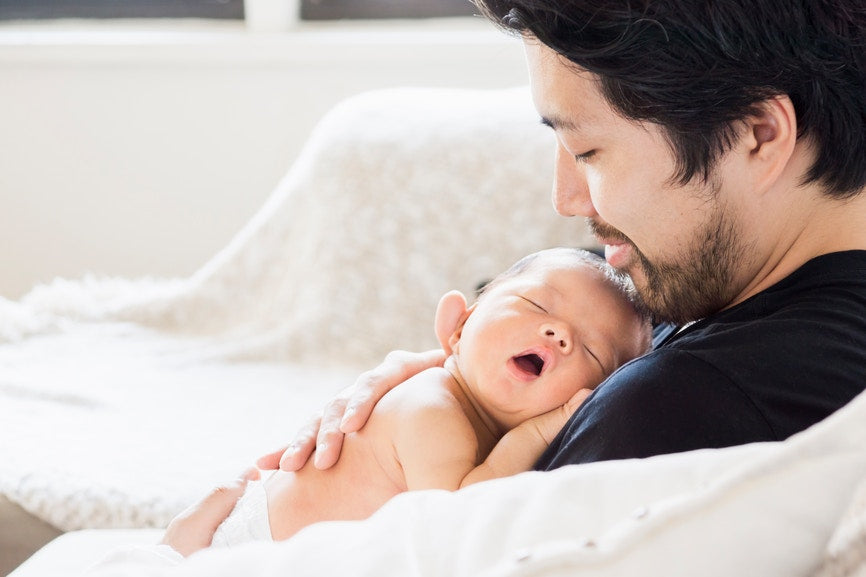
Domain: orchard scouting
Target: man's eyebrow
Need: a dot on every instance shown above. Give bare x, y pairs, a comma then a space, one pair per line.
559, 123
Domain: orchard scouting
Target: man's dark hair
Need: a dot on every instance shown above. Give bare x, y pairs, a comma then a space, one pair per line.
697, 67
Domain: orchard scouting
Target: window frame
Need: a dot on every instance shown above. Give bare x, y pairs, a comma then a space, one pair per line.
383, 9
104, 9
310, 10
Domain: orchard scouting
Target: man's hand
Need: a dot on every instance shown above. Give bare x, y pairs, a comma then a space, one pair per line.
348, 412
194, 528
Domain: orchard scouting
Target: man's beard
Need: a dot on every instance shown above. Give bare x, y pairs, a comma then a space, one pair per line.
697, 281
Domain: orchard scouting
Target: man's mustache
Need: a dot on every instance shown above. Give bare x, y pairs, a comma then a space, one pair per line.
606, 232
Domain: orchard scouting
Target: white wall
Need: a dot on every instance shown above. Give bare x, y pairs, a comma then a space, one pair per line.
140, 149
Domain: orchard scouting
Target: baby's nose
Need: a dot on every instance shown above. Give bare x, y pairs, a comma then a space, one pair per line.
560, 335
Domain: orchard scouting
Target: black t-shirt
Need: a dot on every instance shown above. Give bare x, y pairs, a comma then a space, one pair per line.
760, 371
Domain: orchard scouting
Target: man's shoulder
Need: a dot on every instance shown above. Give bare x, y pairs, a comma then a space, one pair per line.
759, 371
670, 383
667, 401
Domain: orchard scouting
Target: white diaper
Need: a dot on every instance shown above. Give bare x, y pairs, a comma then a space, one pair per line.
248, 521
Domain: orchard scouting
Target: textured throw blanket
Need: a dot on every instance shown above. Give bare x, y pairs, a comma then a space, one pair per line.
122, 400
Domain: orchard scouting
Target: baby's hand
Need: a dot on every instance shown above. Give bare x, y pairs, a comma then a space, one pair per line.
520, 447
194, 528
549, 424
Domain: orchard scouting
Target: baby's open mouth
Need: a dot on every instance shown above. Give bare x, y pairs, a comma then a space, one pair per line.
530, 363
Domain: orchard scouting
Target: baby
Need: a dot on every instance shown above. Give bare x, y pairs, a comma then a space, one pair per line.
557, 322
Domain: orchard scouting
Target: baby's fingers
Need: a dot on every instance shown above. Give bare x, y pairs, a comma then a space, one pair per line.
551, 422
575, 402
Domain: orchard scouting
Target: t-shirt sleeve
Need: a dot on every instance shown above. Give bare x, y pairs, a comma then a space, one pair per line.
667, 401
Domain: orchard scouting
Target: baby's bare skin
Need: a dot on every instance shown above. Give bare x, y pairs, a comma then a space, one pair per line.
373, 465
521, 359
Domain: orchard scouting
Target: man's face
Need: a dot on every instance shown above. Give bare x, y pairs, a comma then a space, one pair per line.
682, 244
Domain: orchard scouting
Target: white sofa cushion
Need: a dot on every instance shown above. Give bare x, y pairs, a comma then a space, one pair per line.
846, 552
398, 196
764, 509
72, 553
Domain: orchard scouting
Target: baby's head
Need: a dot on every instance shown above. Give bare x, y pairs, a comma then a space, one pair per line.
557, 321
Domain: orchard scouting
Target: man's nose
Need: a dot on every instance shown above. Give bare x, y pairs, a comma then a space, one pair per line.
570, 191
559, 335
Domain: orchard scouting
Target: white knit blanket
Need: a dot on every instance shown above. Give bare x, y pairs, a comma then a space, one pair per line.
122, 400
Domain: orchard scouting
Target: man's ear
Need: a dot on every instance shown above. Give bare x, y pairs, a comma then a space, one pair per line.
770, 140
451, 314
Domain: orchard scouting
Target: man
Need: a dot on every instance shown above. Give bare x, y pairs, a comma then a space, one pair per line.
718, 150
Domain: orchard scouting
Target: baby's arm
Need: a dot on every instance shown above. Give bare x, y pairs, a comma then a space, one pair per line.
522, 446
438, 448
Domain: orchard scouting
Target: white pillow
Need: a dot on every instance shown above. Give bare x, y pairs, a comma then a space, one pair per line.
763, 509
846, 552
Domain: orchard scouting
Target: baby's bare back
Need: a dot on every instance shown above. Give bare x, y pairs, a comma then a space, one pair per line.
354, 488
418, 434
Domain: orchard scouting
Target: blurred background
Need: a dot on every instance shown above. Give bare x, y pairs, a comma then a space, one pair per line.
137, 136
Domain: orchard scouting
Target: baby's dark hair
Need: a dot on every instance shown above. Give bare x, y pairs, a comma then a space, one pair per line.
621, 282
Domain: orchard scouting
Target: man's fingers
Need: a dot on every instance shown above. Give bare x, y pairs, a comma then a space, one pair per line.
271, 461
360, 406
405, 364
369, 387
328, 450
372, 385
300, 449
323, 437
251, 474
329, 439
349, 411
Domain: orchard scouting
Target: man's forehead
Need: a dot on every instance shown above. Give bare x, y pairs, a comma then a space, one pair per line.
567, 98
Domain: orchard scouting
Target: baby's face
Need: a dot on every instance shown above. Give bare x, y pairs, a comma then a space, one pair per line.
534, 340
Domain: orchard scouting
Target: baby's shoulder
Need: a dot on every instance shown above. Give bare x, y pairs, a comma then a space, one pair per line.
427, 423
430, 391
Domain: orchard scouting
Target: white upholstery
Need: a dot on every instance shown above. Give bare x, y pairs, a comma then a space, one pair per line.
157, 389
73, 553
121, 400
765, 509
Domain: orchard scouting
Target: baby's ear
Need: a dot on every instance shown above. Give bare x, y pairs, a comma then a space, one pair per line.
450, 316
